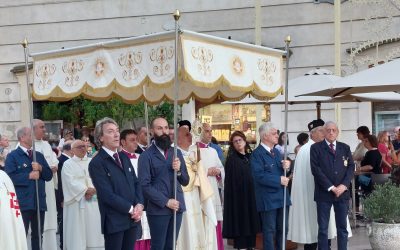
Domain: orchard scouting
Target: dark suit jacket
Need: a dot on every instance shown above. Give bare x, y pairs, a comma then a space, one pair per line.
267, 171
157, 179
18, 166
139, 150
117, 191
59, 191
330, 169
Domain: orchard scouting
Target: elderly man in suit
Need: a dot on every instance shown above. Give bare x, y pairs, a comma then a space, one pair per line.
156, 174
24, 172
333, 168
118, 191
267, 168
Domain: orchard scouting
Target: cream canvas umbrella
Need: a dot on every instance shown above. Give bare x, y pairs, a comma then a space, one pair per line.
312, 82
382, 78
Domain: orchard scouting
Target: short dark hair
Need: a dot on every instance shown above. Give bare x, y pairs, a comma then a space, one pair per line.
126, 132
302, 138
185, 123
364, 130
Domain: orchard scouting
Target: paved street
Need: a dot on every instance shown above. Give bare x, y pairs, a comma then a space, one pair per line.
359, 241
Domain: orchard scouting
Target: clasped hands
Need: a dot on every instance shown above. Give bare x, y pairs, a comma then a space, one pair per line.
89, 193
136, 214
213, 171
339, 190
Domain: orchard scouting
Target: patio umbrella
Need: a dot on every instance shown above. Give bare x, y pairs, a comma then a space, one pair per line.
382, 78
308, 82
311, 82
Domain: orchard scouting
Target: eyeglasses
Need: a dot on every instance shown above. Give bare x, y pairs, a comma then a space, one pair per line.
237, 141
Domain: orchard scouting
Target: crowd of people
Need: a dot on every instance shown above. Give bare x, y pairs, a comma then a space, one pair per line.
122, 195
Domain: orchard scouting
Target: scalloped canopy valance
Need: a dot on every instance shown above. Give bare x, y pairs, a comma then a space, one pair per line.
143, 68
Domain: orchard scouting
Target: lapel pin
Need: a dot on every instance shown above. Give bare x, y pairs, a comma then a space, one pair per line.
345, 161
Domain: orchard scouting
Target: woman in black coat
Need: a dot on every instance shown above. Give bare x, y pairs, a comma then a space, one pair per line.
241, 219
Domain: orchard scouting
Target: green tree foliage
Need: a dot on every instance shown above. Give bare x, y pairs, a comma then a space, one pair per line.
87, 112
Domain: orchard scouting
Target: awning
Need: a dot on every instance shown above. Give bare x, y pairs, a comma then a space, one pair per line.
210, 68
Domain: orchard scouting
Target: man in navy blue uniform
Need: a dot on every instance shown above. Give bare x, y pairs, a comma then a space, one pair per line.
333, 168
267, 168
156, 175
24, 172
118, 191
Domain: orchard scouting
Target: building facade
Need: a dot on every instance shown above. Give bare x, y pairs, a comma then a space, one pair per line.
55, 24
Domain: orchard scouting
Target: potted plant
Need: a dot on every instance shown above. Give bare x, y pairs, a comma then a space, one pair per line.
382, 208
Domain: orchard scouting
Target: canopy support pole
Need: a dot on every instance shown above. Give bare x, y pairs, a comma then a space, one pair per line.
30, 103
176, 89
287, 42
318, 106
146, 115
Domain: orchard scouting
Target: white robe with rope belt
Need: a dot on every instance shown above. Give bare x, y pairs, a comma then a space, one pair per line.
82, 223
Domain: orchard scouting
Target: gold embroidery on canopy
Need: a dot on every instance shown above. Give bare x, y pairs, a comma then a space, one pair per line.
71, 69
267, 68
205, 57
237, 65
44, 72
100, 67
162, 55
128, 62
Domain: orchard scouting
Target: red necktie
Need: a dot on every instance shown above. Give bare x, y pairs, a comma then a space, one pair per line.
332, 148
166, 154
130, 156
202, 145
117, 160
29, 151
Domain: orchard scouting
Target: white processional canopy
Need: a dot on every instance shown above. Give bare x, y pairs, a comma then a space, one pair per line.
143, 68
